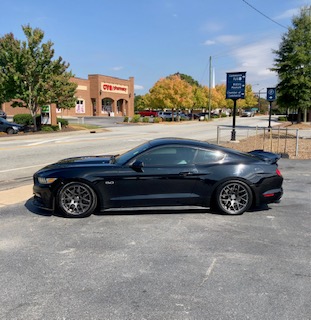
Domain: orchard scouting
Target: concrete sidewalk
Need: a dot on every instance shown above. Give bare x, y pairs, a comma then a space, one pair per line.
15, 195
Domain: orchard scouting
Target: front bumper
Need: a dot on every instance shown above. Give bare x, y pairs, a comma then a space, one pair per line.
43, 197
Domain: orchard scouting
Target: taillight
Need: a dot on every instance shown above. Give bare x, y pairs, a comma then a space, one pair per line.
278, 172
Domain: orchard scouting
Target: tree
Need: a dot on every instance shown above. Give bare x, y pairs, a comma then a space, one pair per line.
142, 102
188, 79
218, 97
171, 92
200, 97
9, 57
293, 64
29, 74
250, 99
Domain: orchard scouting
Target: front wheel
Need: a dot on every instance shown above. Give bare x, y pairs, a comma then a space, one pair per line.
76, 200
10, 131
233, 197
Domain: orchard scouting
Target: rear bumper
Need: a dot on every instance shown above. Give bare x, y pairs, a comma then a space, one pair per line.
272, 196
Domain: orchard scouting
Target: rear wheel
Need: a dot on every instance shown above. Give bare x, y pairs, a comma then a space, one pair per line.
76, 199
233, 197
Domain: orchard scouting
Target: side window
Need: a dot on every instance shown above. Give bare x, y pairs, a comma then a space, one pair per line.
168, 156
207, 156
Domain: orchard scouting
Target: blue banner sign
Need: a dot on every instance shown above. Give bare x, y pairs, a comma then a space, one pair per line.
271, 94
235, 85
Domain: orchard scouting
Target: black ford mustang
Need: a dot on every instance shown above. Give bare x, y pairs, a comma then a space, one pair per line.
161, 172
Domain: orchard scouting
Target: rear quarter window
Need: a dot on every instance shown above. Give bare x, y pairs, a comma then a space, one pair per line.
208, 156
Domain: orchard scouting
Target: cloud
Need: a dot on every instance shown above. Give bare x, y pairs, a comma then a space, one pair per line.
288, 14
229, 39
209, 42
224, 39
211, 27
138, 87
257, 59
117, 68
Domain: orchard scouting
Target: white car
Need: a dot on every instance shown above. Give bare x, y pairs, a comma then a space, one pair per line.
248, 113
166, 114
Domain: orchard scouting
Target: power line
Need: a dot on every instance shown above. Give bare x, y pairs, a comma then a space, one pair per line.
264, 15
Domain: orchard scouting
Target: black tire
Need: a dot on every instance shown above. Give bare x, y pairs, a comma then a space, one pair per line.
10, 131
233, 197
76, 200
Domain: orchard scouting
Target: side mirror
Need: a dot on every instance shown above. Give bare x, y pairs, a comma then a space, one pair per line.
137, 166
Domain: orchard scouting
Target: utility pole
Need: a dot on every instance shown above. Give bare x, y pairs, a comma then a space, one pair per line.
210, 87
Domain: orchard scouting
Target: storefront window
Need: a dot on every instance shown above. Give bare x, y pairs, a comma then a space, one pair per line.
107, 105
80, 106
120, 105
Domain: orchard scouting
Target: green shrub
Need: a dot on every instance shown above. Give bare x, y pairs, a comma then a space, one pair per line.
126, 119
145, 119
47, 128
55, 128
157, 120
136, 118
24, 119
62, 121
282, 118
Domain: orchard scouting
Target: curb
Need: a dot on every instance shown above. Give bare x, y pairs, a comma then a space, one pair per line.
16, 195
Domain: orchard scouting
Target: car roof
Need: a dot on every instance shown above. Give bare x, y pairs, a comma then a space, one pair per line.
199, 144
181, 141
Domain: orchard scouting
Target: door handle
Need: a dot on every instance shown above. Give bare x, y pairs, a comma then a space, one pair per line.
189, 173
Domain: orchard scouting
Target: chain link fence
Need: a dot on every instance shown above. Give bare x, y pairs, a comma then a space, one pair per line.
292, 143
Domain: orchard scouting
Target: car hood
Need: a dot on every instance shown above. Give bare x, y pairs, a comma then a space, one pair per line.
82, 161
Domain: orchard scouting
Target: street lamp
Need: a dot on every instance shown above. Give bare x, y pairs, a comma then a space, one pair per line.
259, 99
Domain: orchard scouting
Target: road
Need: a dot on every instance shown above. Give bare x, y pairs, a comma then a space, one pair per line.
22, 155
161, 265
150, 265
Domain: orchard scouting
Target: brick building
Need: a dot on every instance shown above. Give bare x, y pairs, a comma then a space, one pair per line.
98, 95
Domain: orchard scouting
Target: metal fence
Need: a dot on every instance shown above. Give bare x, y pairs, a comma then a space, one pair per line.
294, 143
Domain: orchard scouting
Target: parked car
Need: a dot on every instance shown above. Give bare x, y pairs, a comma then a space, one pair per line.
169, 115
3, 114
10, 127
199, 116
148, 113
166, 114
161, 172
248, 113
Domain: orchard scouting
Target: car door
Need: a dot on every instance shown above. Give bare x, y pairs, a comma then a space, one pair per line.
163, 176
2, 125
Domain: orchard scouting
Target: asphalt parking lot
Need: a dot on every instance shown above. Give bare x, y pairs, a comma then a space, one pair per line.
161, 265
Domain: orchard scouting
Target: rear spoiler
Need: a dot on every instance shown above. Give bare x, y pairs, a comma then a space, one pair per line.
266, 156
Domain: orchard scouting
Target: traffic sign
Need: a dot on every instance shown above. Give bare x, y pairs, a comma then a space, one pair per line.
235, 85
271, 94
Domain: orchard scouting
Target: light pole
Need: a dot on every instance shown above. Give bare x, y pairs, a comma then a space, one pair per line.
259, 99
210, 88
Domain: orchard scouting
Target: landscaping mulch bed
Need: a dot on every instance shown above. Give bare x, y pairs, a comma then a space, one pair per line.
285, 145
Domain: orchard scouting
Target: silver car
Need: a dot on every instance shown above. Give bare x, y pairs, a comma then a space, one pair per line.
248, 113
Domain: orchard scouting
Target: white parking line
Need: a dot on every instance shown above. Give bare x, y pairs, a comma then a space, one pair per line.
23, 168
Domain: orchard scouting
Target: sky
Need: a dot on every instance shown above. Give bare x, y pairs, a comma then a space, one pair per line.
152, 39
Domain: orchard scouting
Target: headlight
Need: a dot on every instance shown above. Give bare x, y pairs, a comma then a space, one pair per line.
15, 128
43, 180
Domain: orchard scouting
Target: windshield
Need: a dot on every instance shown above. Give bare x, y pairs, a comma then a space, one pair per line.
125, 157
